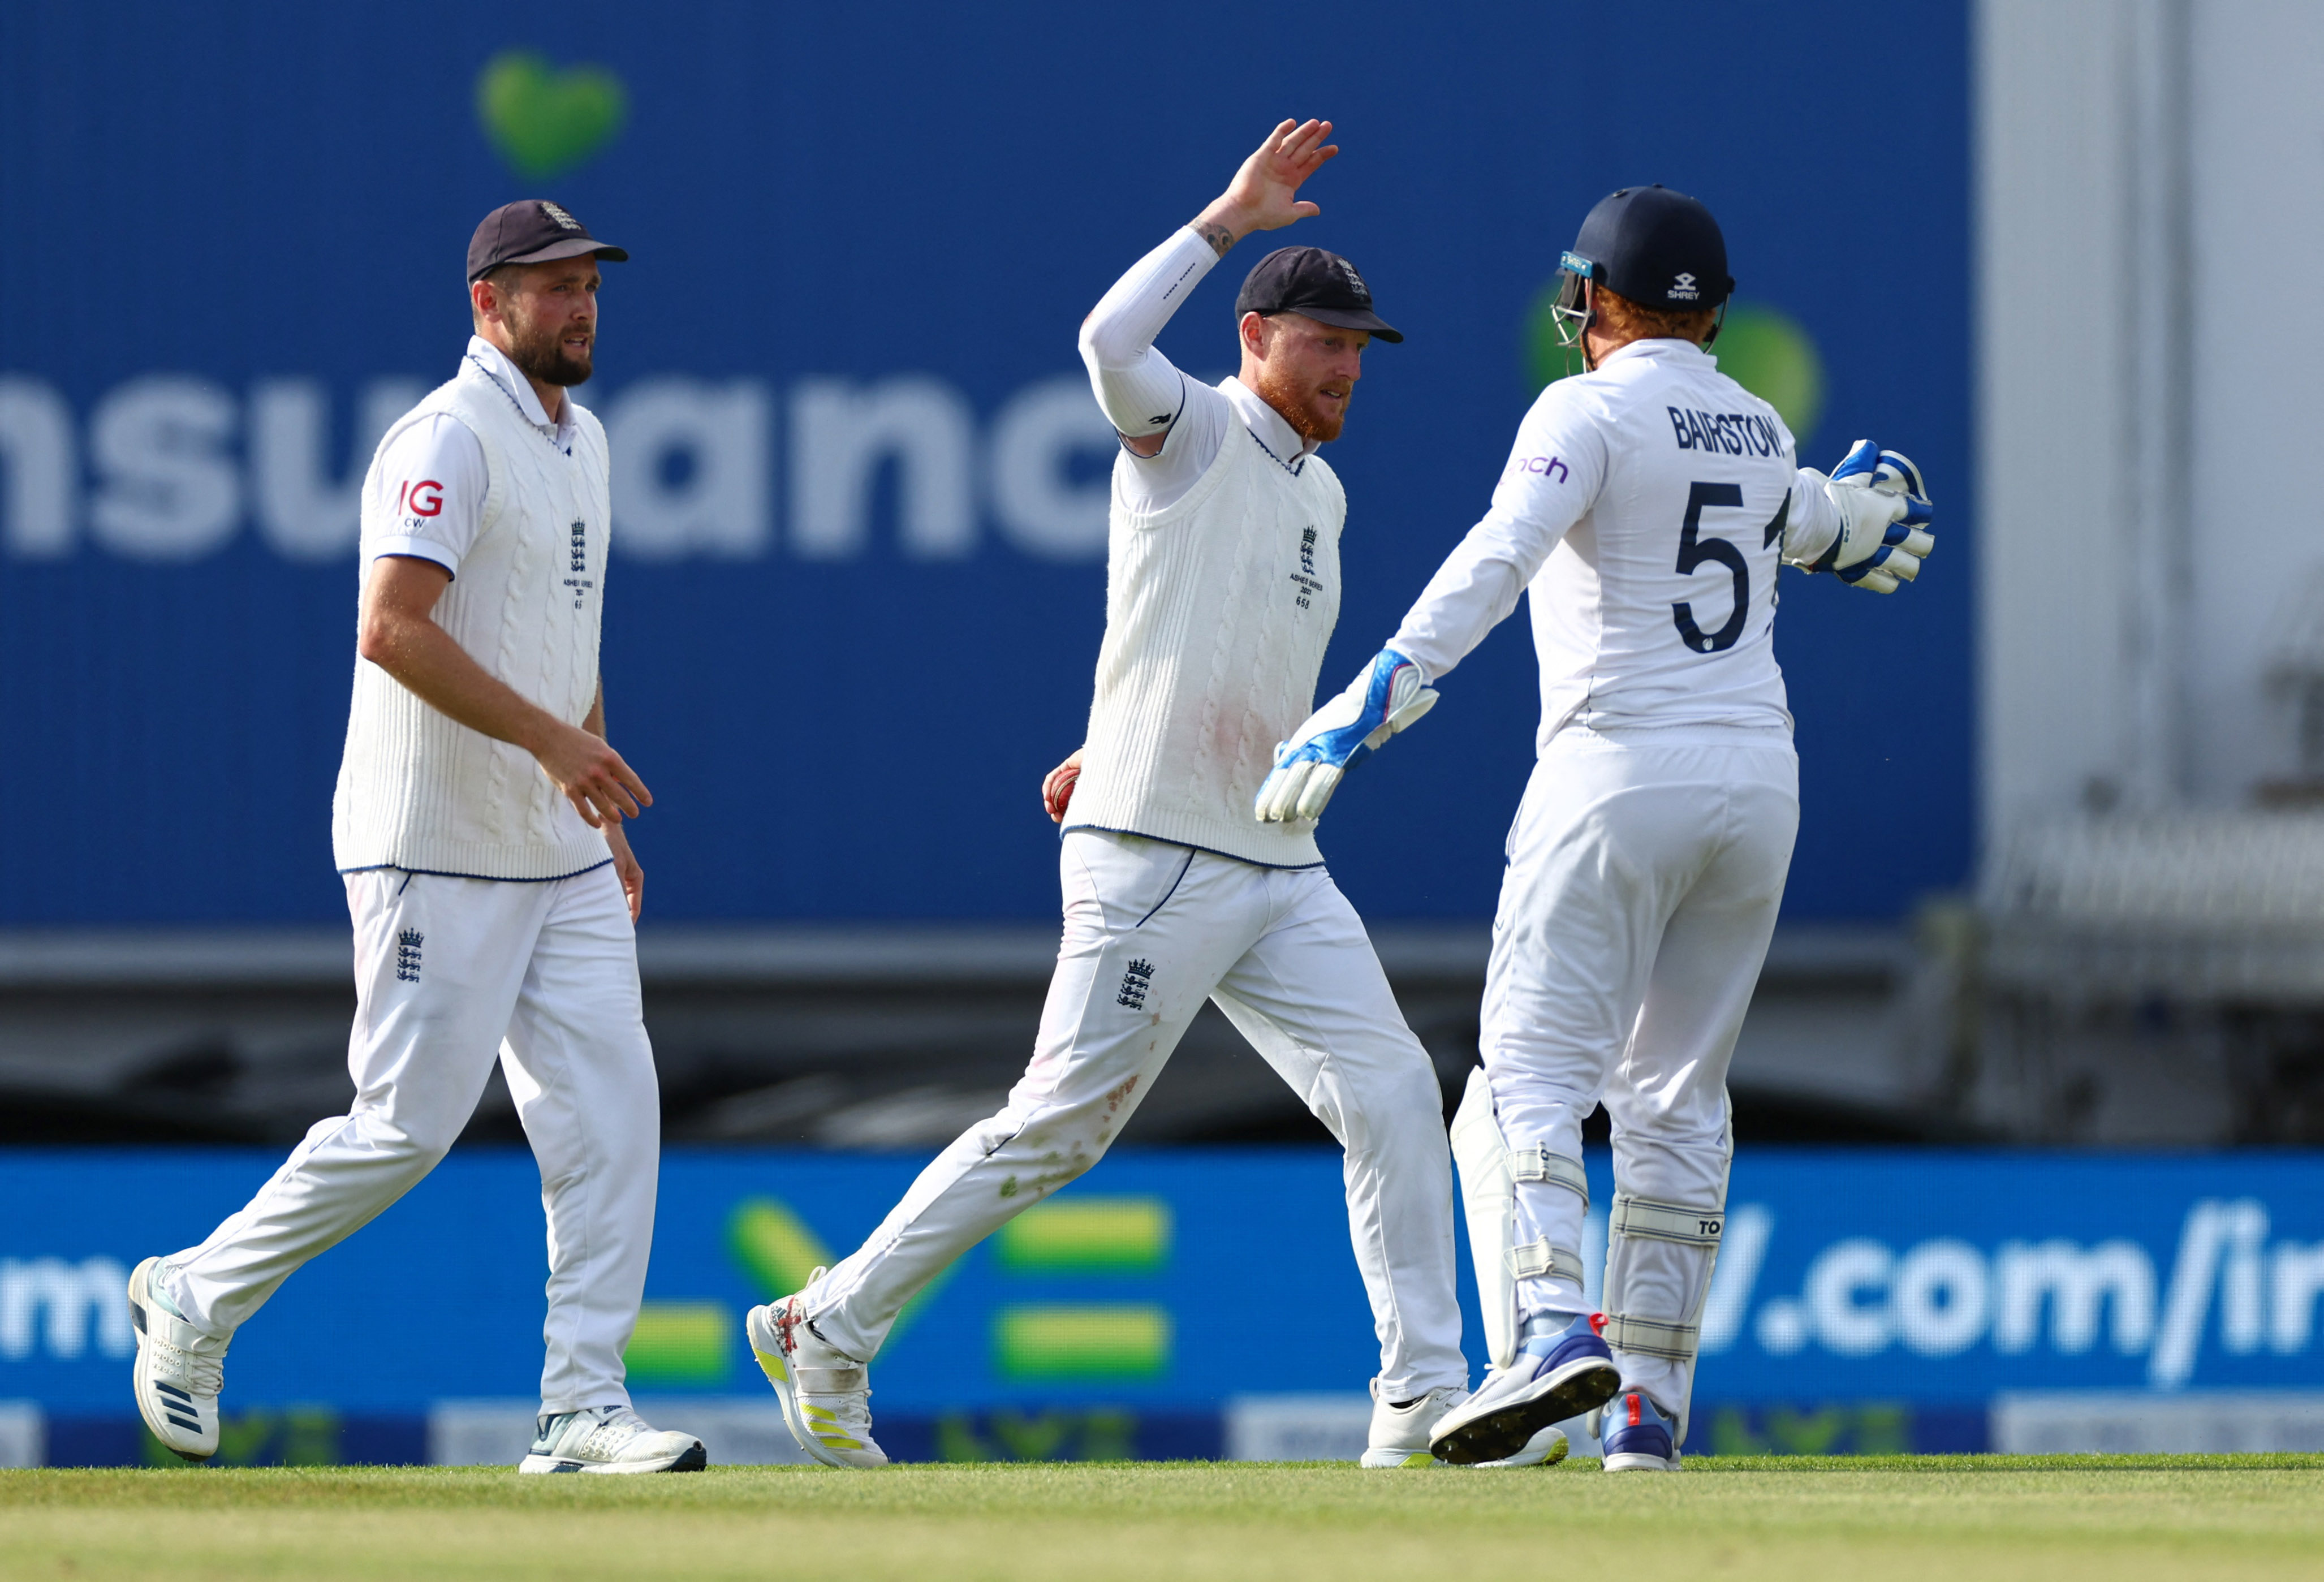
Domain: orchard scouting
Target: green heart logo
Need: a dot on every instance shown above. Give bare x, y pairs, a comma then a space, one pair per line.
1765, 351
546, 122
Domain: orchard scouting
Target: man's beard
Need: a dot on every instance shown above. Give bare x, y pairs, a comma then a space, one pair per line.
541, 354
1291, 404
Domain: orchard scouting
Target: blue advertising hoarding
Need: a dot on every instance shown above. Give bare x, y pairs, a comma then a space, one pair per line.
858, 488
1863, 1291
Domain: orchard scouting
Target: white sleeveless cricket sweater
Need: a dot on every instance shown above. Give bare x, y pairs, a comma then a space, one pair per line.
417, 790
1217, 611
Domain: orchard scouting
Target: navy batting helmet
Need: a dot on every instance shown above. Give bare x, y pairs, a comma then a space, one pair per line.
1657, 247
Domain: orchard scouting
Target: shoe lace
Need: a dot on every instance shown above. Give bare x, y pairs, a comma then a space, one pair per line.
202, 1375
615, 1426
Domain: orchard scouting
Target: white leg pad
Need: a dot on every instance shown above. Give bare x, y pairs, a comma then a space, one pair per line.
1489, 1205
1659, 1258
1489, 1173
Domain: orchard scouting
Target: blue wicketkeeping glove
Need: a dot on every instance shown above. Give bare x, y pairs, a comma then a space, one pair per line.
1884, 509
1388, 696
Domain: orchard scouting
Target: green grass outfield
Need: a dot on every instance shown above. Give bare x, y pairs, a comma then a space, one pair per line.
1964, 1518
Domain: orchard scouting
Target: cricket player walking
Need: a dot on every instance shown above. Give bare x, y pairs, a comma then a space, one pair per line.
1645, 506
478, 826
1223, 586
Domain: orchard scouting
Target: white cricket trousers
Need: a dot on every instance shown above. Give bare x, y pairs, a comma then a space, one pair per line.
1151, 930
447, 972
1646, 870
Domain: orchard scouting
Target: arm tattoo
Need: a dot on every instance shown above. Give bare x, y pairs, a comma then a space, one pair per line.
1217, 235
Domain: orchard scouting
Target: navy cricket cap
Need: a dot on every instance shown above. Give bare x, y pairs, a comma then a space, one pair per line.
1657, 247
532, 230
1315, 284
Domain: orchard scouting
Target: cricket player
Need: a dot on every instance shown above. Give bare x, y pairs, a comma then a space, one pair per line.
1223, 586
1645, 505
478, 826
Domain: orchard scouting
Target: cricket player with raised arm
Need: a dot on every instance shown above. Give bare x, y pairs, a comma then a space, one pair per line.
1222, 585
1645, 507
478, 826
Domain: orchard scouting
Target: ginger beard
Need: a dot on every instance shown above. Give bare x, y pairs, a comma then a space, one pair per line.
1309, 375
1316, 408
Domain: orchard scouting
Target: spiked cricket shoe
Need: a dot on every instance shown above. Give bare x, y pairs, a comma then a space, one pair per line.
1560, 1371
826, 1396
1545, 1449
1637, 1437
179, 1373
612, 1439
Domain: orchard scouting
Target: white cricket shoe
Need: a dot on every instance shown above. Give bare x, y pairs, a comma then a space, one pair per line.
826, 1398
1561, 1371
1545, 1449
610, 1438
1399, 1436
179, 1370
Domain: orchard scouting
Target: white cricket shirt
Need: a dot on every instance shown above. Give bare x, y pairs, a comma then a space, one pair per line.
1643, 507
477, 480
1218, 607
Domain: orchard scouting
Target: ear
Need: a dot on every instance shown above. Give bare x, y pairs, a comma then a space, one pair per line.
1257, 334
483, 298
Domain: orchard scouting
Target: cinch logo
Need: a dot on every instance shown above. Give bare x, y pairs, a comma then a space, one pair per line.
1682, 289
1134, 985
407, 955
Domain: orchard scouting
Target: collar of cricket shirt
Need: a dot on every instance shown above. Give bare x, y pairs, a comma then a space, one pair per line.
1659, 346
1283, 442
510, 378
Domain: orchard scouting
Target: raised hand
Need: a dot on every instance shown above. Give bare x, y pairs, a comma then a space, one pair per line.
1264, 195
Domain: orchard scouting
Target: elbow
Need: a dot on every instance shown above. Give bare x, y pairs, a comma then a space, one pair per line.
375, 638
1101, 347
1089, 344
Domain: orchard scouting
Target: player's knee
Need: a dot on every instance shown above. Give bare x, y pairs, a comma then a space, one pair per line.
414, 1145
1396, 1092
1067, 1141
1384, 1107
1668, 1137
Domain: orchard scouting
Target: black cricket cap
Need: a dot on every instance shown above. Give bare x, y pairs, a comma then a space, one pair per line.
533, 230
1316, 284
1657, 247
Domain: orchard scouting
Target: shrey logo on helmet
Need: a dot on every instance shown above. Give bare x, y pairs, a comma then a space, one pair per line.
1647, 244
